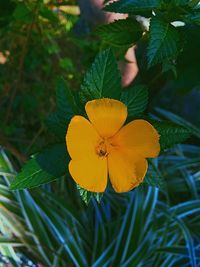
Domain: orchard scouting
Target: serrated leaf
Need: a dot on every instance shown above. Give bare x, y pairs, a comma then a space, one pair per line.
123, 32
66, 108
56, 126
154, 177
45, 167
54, 160
171, 134
180, 121
30, 176
102, 80
87, 195
133, 6
163, 43
66, 104
136, 99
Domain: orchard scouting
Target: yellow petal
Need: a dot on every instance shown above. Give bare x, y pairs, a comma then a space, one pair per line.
81, 138
140, 137
107, 115
126, 171
90, 173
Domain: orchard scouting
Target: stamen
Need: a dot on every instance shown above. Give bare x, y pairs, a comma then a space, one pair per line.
101, 149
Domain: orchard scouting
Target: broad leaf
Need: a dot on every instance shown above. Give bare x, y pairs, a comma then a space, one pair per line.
102, 80
124, 32
163, 43
31, 175
136, 99
54, 160
45, 167
171, 134
133, 6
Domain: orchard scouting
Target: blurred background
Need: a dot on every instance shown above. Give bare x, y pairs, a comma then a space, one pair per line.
41, 40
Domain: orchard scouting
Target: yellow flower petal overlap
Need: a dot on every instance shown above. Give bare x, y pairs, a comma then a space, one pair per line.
102, 147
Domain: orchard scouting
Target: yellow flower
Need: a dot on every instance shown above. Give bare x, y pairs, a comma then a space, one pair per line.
102, 147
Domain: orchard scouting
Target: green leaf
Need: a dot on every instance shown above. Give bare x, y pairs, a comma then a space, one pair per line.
56, 126
163, 43
87, 195
23, 14
154, 177
54, 160
171, 134
180, 121
45, 167
48, 14
133, 6
66, 108
31, 175
66, 104
124, 32
136, 99
102, 80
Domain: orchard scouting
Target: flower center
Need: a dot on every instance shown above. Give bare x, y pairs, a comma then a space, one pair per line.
101, 149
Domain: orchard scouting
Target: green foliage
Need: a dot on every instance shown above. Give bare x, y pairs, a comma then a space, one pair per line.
178, 120
102, 80
136, 99
120, 33
145, 227
6, 10
23, 13
87, 196
154, 177
171, 134
66, 107
31, 175
163, 43
45, 167
99, 82
156, 224
133, 6
164, 39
